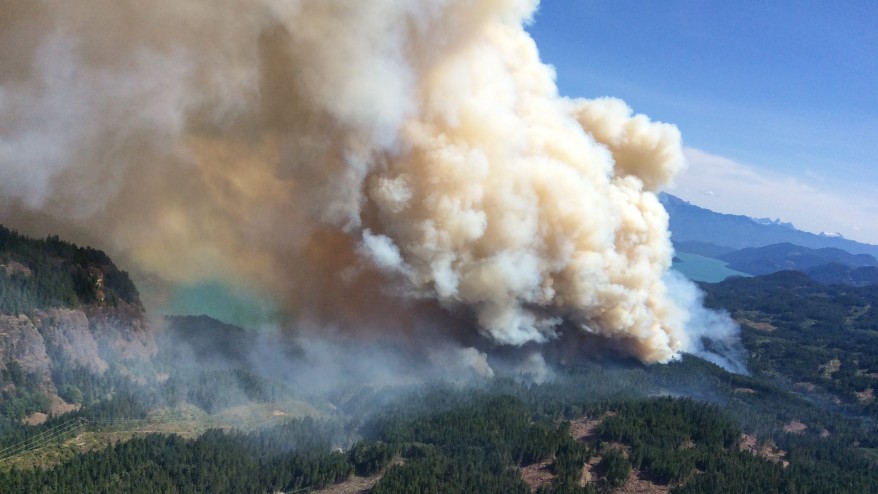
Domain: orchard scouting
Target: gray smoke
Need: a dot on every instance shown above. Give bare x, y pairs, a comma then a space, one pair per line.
367, 165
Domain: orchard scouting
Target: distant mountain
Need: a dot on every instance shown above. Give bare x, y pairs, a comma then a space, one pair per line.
203, 342
692, 223
786, 256
837, 273
776, 222
206, 342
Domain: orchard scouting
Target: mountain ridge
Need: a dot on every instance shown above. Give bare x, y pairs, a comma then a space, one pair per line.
786, 256
689, 222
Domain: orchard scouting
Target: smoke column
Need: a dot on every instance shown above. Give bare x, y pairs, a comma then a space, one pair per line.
378, 167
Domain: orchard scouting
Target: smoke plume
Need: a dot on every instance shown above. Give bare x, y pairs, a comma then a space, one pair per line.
387, 168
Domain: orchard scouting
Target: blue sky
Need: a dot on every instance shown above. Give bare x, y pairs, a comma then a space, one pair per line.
777, 100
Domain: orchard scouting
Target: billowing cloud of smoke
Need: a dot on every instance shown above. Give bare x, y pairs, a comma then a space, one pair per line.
371, 164
714, 335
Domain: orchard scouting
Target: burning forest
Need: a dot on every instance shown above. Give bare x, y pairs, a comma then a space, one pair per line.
383, 171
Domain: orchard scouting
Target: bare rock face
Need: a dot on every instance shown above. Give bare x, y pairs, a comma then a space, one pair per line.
65, 307
67, 332
21, 341
91, 337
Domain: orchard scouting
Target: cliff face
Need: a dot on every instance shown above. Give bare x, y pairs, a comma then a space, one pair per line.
66, 332
90, 337
64, 307
22, 342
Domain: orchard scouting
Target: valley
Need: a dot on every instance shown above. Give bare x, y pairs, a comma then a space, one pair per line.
193, 408
389, 247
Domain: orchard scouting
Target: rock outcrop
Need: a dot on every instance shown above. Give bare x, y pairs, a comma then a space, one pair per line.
22, 342
90, 337
64, 307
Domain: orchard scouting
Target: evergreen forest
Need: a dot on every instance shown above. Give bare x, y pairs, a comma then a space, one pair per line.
802, 421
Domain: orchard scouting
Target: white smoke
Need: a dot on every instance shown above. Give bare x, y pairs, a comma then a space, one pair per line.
713, 335
369, 164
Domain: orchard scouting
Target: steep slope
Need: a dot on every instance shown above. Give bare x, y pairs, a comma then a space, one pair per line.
64, 308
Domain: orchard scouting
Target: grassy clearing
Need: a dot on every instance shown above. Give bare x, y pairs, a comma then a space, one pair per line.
187, 421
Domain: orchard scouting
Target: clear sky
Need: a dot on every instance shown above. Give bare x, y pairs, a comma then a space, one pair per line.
777, 100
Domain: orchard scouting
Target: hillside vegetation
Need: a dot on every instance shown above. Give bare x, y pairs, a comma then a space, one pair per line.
44, 273
71, 325
200, 414
451, 438
812, 335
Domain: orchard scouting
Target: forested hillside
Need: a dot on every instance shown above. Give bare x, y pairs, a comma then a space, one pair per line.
815, 336
67, 315
200, 414
488, 438
47, 273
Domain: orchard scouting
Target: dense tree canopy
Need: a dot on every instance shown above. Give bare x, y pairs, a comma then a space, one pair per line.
53, 273
680, 425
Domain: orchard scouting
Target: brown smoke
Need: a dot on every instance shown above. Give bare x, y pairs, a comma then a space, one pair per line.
360, 161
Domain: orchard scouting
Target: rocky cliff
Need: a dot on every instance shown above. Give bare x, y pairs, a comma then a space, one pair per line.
65, 307
22, 342
90, 337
